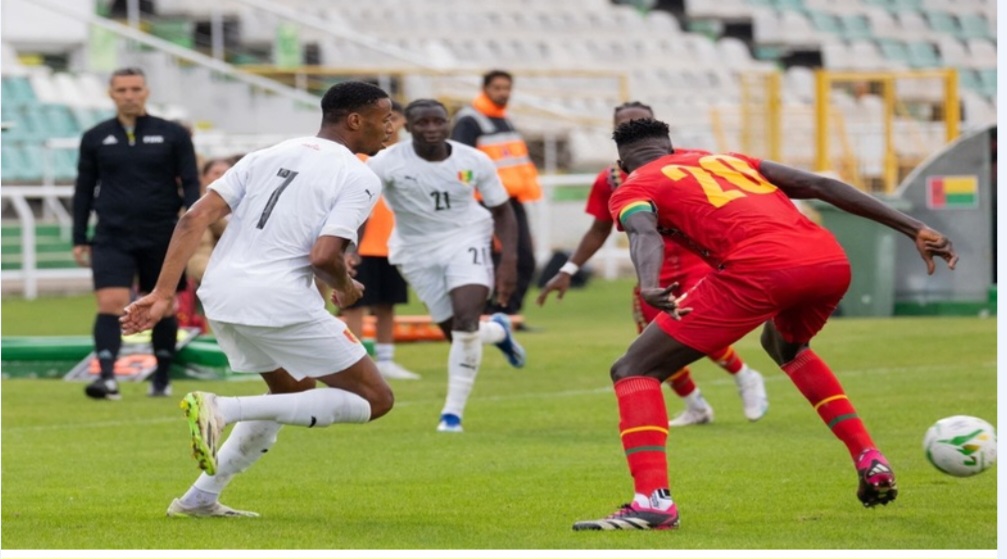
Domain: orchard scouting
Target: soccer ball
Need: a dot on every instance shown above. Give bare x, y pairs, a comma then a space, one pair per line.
961, 445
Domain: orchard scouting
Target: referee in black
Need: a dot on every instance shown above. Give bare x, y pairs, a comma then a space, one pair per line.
135, 173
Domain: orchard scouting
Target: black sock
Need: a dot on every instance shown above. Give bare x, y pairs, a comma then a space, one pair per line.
107, 341
163, 338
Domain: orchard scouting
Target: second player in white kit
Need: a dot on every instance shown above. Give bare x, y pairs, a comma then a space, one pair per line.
442, 238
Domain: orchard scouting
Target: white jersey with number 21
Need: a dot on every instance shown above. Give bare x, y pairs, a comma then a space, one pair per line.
434, 201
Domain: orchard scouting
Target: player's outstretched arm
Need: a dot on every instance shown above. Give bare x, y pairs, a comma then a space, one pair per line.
589, 244
148, 311
646, 248
799, 184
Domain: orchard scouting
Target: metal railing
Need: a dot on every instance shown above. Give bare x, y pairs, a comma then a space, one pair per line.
29, 274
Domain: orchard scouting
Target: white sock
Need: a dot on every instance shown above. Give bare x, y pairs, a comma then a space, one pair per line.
196, 497
318, 407
384, 352
464, 358
660, 500
491, 332
744, 372
248, 441
695, 400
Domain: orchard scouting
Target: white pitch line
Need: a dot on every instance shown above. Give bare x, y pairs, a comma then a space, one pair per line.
535, 395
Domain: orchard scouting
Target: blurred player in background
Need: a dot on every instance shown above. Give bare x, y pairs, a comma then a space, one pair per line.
772, 266
137, 161
294, 208
385, 286
189, 312
441, 243
485, 126
682, 269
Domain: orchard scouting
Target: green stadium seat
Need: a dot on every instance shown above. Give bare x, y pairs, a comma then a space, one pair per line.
65, 165
11, 166
825, 22
98, 115
856, 27
969, 79
988, 82
791, 5
943, 22
32, 157
902, 5
18, 90
974, 26
923, 55
894, 50
60, 121
32, 124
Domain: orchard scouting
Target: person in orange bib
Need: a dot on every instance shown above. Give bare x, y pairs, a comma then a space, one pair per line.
484, 125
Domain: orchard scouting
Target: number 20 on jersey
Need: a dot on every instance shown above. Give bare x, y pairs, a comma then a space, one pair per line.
716, 175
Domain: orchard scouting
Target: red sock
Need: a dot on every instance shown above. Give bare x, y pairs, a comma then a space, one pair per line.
728, 359
681, 382
819, 385
643, 427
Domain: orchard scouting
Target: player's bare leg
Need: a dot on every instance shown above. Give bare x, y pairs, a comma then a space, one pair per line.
823, 391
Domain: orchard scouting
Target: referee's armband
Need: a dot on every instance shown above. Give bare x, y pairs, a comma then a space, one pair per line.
635, 207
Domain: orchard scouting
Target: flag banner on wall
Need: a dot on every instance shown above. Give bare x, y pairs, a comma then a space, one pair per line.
952, 192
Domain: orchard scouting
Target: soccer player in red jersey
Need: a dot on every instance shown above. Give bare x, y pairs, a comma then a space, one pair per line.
772, 266
681, 267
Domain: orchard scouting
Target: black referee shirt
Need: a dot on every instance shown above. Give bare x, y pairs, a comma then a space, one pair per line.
135, 184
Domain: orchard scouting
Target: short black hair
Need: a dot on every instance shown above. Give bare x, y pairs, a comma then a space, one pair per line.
397, 107
640, 129
423, 104
347, 97
488, 77
209, 163
633, 105
127, 71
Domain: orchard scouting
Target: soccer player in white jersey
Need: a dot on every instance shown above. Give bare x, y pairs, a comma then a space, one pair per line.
294, 208
441, 243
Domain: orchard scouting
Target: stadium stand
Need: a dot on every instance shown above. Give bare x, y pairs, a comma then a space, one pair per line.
574, 59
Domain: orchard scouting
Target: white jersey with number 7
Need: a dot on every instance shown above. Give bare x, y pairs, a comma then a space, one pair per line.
282, 199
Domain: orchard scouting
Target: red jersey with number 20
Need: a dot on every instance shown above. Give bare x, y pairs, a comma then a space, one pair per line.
722, 208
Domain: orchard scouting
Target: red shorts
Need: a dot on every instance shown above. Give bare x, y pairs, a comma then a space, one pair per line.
727, 304
644, 314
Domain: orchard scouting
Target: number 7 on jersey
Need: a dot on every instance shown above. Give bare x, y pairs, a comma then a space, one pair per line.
288, 176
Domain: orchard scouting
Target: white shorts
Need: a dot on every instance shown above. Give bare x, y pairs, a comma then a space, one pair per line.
463, 263
307, 349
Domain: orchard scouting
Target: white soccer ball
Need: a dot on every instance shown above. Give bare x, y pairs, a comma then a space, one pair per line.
961, 445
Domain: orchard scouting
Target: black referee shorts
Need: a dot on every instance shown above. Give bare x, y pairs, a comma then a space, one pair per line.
114, 265
382, 281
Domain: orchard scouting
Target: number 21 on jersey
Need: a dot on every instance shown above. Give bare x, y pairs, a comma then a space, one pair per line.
717, 173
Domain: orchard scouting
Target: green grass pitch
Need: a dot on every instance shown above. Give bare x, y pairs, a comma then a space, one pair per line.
540, 451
